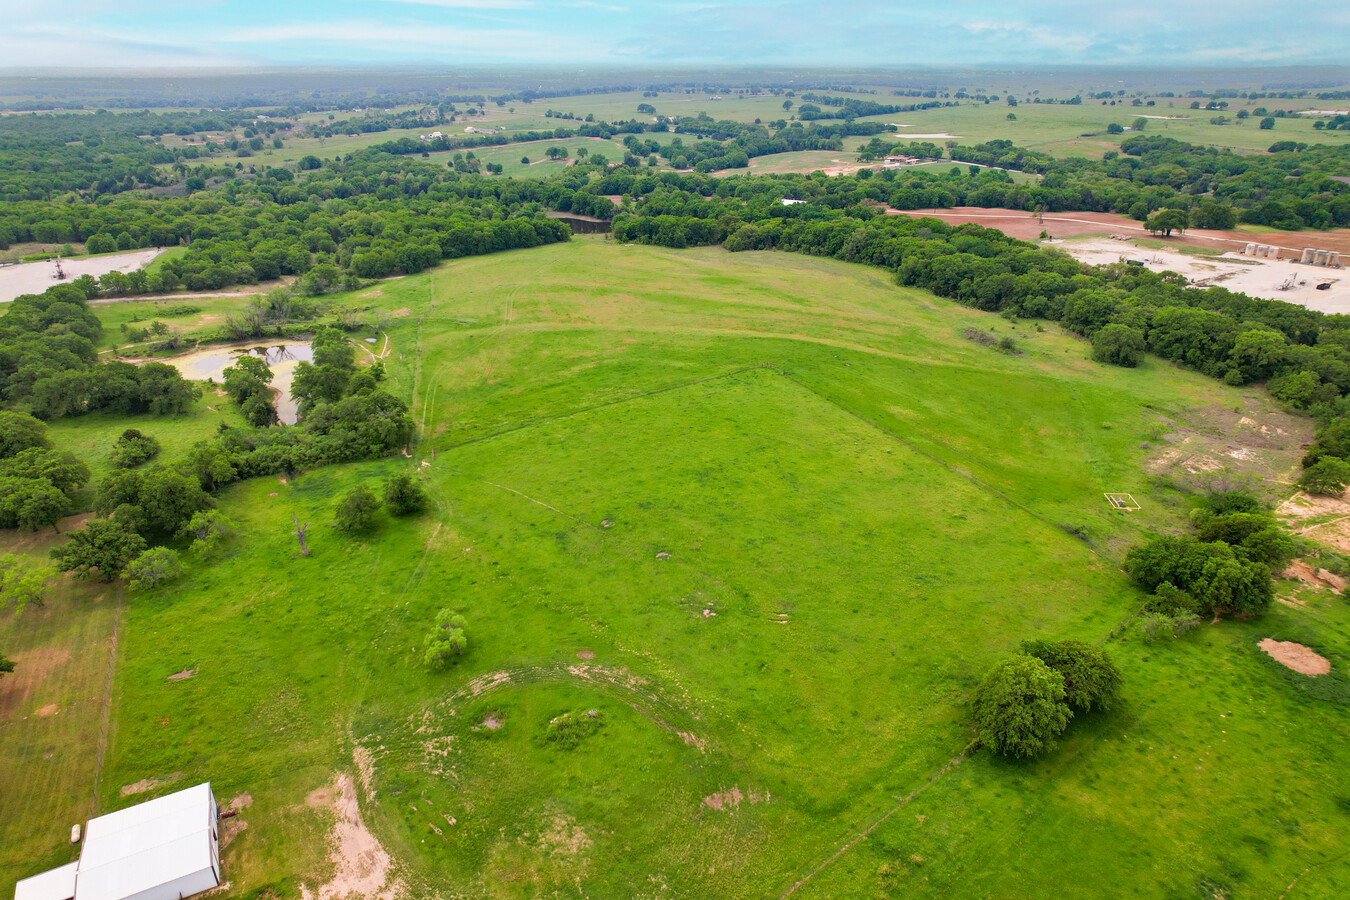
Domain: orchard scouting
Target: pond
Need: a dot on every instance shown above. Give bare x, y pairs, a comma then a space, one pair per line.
211, 363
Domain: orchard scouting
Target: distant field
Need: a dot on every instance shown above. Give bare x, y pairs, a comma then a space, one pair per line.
1058, 129
771, 518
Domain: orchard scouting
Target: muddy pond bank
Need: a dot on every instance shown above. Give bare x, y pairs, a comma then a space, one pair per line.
210, 363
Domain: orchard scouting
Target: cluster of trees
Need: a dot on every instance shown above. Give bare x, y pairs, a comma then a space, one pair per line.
248, 383
49, 365
1224, 568
1291, 186
1027, 700
366, 218
38, 485
1326, 464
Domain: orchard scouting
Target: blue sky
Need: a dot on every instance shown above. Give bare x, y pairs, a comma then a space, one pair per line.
862, 33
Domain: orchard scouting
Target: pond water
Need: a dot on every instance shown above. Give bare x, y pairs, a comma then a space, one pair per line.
211, 363
34, 278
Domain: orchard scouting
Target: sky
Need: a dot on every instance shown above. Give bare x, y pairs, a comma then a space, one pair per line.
631, 34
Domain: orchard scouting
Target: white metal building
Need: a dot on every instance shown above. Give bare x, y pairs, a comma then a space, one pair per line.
163, 849
54, 884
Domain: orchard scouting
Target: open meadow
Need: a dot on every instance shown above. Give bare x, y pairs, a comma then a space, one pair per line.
751, 527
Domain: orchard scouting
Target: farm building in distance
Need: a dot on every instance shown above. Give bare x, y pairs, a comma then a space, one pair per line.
162, 849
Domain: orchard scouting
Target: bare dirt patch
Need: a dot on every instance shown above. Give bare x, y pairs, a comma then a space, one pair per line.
585, 654
31, 668
362, 867
234, 824
149, 784
1301, 571
1208, 446
563, 837
1296, 656
493, 722
183, 675
729, 799
50, 709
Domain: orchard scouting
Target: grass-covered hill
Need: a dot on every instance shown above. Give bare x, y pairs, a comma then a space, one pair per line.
735, 537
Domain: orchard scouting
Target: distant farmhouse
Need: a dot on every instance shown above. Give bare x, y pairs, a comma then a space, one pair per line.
164, 849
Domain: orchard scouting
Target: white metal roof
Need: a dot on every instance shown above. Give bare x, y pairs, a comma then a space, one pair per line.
54, 884
150, 844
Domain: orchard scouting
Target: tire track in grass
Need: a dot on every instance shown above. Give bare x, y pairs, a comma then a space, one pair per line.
876, 823
101, 750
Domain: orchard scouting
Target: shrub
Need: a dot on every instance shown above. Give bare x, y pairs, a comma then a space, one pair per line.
132, 449
1091, 680
1212, 573
1020, 707
567, 731
404, 496
152, 568
446, 641
1328, 476
1221, 503
1156, 626
356, 511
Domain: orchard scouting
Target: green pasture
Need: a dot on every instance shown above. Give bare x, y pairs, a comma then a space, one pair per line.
766, 519
91, 437
212, 311
1064, 130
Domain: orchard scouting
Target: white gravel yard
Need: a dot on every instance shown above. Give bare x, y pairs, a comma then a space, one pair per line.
1254, 277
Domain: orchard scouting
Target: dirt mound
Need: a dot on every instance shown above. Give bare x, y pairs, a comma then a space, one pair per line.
1296, 656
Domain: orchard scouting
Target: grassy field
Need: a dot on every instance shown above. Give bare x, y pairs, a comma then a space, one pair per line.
1059, 129
764, 520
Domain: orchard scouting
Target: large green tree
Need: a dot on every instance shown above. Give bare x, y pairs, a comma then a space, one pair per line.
1166, 221
1020, 707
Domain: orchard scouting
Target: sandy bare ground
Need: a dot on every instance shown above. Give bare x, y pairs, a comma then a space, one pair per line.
1025, 225
362, 867
1254, 277
1296, 656
34, 278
